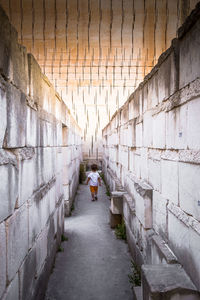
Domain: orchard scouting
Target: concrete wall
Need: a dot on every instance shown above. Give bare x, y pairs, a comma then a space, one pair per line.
40, 145
152, 146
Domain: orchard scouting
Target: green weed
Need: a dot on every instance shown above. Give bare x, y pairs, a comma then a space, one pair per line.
82, 174
106, 185
120, 231
60, 249
135, 276
64, 238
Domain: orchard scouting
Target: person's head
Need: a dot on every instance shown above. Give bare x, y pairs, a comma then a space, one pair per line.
94, 168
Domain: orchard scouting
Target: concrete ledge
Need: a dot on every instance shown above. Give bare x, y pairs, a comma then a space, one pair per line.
117, 203
128, 199
115, 219
167, 282
163, 251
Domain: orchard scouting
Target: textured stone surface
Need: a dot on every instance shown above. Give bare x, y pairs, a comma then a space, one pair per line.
189, 56
159, 138
185, 241
163, 251
2, 258
193, 124
154, 170
27, 276
3, 113
189, 194
8, 189
159, 214
165, 155
17, 248
168, 281
16, 122
169, 177
32, 130
12, 292
31, 169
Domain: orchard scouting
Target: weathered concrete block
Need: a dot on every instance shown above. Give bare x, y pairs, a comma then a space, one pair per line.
176, 128
123, 156
142, 195
2, 259
193, 138
17, 248
27, 276
41, 250
167, 281
115, 219
47, 133
138, 165
189, 56
16, 118
169, 177
159, 214
49, 157
148, 129
9, 184
167, 77
40, 207
153, 91
189, 193
28, 184
144, 163
32, 128
67, 155
13, 58
131, 135
116, 202
159, 138
139, 134
154, 169
12, 292
66, 191
19, 64
184, 240
160, 252
129, 211
35, 80
5, 49
52, 199
3, 112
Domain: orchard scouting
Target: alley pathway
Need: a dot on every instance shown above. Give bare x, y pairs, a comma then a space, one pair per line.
94, 264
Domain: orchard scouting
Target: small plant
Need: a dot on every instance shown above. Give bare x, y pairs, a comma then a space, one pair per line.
135, 276
82, 175
120, 231
72, 207
64, 238
60, 249
107, 187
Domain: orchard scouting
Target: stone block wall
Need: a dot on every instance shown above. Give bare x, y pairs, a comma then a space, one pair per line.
40, 153
152, 145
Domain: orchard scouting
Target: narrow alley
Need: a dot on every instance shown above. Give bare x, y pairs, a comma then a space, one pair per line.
113, 84
94, 264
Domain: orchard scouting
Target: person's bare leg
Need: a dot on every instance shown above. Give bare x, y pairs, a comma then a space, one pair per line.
93, 196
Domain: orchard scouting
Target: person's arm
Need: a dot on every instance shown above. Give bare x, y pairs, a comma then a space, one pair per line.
99, 180
88, 179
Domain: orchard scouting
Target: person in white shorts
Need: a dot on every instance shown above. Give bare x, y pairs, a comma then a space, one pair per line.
94, 180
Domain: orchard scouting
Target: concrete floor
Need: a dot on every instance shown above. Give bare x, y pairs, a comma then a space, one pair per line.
94, 264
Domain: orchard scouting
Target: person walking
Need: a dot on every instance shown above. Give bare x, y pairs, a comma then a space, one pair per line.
94, 180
